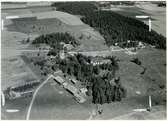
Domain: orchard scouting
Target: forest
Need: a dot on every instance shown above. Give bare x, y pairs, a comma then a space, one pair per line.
113, 27
103, 91
81, 67
54, 41
55, 38
77, 8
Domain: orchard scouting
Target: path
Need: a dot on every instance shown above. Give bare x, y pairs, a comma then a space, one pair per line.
34, 95
26, 50
96, 52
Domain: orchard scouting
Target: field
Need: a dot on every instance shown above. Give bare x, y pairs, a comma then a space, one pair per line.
61, 21
157, 14
60, 103
14, 70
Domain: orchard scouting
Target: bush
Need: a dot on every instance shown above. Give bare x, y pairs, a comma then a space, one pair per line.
136, 61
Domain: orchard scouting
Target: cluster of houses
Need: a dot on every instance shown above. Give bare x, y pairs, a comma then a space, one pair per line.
131, 44
99, 60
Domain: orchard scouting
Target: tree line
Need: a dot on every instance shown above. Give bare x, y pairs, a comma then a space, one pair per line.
55, 38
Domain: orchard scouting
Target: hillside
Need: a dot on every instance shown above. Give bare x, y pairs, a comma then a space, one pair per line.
112, 26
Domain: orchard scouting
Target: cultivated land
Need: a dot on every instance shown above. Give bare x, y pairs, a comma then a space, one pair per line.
158, 14
52, 101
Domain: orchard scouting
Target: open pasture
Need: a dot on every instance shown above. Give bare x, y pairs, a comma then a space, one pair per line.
14, 72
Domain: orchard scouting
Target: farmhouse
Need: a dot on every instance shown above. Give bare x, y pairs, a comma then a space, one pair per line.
99, 61
62, 54
24, 90
72, 79
76, 92
15, 95
68, 46
59, 79
141, 45
70, 88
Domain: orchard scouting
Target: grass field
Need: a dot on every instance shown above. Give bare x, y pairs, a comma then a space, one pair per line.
14, 70
130, 11
157, 14
20, 104
60, 103
154, 76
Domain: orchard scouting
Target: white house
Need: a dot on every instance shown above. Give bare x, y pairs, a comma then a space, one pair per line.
99, 61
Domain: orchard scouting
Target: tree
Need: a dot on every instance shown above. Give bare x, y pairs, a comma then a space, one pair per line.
54, 40
114, 63
81, 37
98, 91
119, 90
109, 92
53, 52
104, 92
96, 69
28, 40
